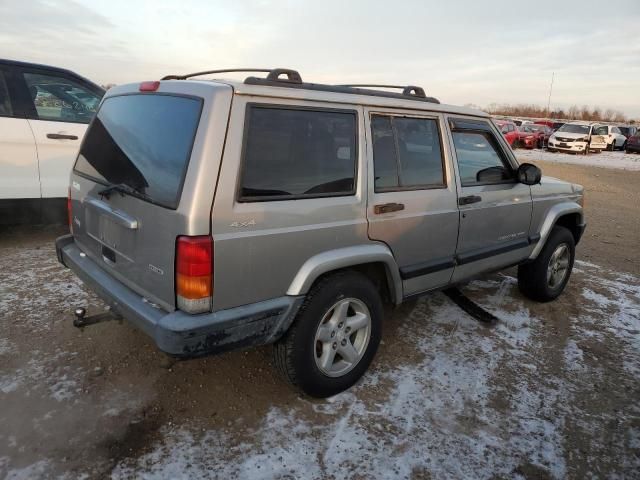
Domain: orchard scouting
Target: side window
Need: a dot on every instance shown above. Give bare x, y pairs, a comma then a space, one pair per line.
406, 153
5, 101
479, 160
293, 153
61, 99
600, 130
615, 130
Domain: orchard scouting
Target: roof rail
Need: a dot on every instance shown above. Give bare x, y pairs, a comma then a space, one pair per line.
409, 90
208, 72
285, 77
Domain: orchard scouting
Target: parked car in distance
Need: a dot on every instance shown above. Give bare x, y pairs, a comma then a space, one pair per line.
44, 112
533, 136
577, 137
509, 130
552, 124
613, 135
628, 130
633, 143
218, 215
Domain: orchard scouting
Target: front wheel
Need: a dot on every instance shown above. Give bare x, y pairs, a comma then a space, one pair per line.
334, 337
544, 279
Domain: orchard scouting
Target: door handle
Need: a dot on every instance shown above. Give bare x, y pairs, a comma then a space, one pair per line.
388, 208
61, 136
469, 199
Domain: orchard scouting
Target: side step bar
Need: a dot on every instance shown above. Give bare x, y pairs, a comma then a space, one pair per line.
470, 307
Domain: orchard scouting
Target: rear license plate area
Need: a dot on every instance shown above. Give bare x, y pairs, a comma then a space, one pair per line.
108, 255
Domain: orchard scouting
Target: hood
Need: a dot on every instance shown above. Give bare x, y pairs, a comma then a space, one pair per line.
569, 135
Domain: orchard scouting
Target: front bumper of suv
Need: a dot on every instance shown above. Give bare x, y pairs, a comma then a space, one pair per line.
178, 333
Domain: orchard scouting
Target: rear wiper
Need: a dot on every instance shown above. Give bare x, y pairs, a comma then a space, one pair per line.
122, 188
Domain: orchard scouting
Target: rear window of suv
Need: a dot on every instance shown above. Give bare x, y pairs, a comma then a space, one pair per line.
144, 142
298, 153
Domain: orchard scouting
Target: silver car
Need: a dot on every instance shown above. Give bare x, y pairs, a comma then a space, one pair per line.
217, 215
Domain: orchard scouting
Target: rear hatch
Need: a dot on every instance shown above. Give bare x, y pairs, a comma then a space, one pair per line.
133, 183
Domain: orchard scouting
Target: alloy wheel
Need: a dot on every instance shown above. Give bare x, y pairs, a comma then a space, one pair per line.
342, 337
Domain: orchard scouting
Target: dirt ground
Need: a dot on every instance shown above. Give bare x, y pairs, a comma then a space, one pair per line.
550, 392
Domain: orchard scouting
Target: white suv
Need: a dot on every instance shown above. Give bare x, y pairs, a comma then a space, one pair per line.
578, 137
44, 112
613, 136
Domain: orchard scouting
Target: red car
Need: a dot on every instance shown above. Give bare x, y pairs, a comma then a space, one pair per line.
553, 125
633, 143
509, 130
532, 135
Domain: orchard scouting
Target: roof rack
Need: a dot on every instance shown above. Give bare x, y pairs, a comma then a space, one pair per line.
411, 90
208, 72
292, 79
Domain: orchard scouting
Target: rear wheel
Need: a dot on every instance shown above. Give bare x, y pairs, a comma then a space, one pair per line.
334, 337
545, 278
612, 146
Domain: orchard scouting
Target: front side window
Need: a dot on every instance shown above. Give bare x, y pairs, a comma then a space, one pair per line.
5, 101
479, 161
291, 153
61, 99
406, 153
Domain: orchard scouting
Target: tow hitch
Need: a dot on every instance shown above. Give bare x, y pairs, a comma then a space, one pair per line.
82, 320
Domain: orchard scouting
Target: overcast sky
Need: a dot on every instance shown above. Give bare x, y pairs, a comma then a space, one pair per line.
459, 51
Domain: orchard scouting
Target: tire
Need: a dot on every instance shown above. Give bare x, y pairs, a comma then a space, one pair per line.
537, 279
611, 147
300, 353
624, 146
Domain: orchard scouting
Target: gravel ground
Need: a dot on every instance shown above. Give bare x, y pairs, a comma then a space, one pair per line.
550, 392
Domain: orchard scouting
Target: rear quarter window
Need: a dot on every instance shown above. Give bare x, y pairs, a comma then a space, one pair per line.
298, 153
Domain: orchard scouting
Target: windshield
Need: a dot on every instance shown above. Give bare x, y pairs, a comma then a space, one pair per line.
574, 128
142, 141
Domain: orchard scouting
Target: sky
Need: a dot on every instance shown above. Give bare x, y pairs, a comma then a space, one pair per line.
462, 52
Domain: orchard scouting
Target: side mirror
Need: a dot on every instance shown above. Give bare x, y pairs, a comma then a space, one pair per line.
529, 174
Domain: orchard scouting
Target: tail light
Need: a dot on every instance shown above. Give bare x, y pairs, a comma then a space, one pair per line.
69, 214
194, 273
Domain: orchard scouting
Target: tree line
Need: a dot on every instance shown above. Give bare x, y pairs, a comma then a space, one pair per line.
574, 112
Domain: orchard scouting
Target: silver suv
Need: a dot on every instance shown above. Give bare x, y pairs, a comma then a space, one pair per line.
217, 215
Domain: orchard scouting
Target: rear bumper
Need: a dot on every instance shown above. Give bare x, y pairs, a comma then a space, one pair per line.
178, 333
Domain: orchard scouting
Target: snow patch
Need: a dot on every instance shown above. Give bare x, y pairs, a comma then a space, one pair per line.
616, 160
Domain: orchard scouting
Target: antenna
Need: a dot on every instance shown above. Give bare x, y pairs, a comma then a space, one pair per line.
550, 90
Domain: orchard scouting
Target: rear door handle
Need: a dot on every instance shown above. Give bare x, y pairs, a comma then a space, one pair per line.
61, 136
388, 208
469, 199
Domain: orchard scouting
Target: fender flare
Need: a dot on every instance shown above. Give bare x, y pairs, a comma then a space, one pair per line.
348, 257
552, 216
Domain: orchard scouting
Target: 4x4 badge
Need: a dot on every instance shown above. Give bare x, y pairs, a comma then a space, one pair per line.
243, 224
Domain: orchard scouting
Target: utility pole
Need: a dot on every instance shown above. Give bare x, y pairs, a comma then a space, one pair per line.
550, 90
